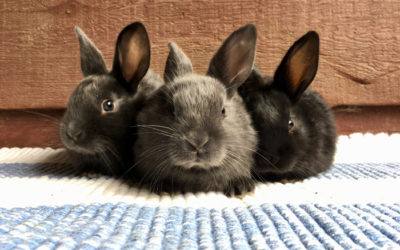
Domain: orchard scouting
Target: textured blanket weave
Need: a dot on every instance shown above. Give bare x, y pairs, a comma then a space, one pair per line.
355, 205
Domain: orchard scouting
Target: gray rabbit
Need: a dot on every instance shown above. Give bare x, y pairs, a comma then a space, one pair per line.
98, 128
194, 133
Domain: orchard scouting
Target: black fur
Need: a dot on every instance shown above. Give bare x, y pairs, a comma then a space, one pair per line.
194, 132
99, 140
307, 148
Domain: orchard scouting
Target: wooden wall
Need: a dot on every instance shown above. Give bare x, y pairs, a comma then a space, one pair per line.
360, 43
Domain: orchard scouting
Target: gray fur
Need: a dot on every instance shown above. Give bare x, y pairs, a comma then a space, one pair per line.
92, 62
178, 64
185, 143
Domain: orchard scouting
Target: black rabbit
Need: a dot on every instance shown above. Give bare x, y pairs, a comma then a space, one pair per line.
195, 134
297, 135
98, 128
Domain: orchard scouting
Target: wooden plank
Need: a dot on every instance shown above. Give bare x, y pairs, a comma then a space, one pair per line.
367, 119
39, 128
30, 128
360, 42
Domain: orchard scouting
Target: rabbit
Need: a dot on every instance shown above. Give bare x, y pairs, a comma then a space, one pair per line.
296, 129
98, 127
194, 134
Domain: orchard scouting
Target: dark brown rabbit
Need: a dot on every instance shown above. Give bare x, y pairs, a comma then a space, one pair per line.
297, 135
98, 128
194, 133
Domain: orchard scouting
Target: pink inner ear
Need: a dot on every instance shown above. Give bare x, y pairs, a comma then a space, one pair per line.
131, 54
299, 65
297, 69
237, 61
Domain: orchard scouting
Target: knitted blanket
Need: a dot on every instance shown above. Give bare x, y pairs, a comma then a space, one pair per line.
355, 205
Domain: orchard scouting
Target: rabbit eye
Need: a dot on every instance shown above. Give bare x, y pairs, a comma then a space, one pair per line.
108, 105
290, 126
223, 112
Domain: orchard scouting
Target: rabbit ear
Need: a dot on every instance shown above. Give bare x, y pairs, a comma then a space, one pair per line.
178, 64
299, 66
132, 55
92, 62
233, 62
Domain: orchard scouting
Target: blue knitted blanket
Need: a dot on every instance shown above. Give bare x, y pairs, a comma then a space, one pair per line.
355, 205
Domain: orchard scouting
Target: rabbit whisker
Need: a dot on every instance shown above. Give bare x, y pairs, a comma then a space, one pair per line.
158, 133
51, 118
156, 129
156, 126
240, 162
156, 174
156, 170
257, 153
145, 155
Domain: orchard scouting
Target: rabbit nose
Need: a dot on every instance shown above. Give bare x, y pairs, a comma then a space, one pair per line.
74, 135
198, 143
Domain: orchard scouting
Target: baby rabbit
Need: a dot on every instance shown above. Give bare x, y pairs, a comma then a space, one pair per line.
194, 133
297, 136
98, 127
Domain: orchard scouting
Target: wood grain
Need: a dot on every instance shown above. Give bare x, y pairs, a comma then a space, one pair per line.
367, 119
30, 128
360, 42
39, 128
